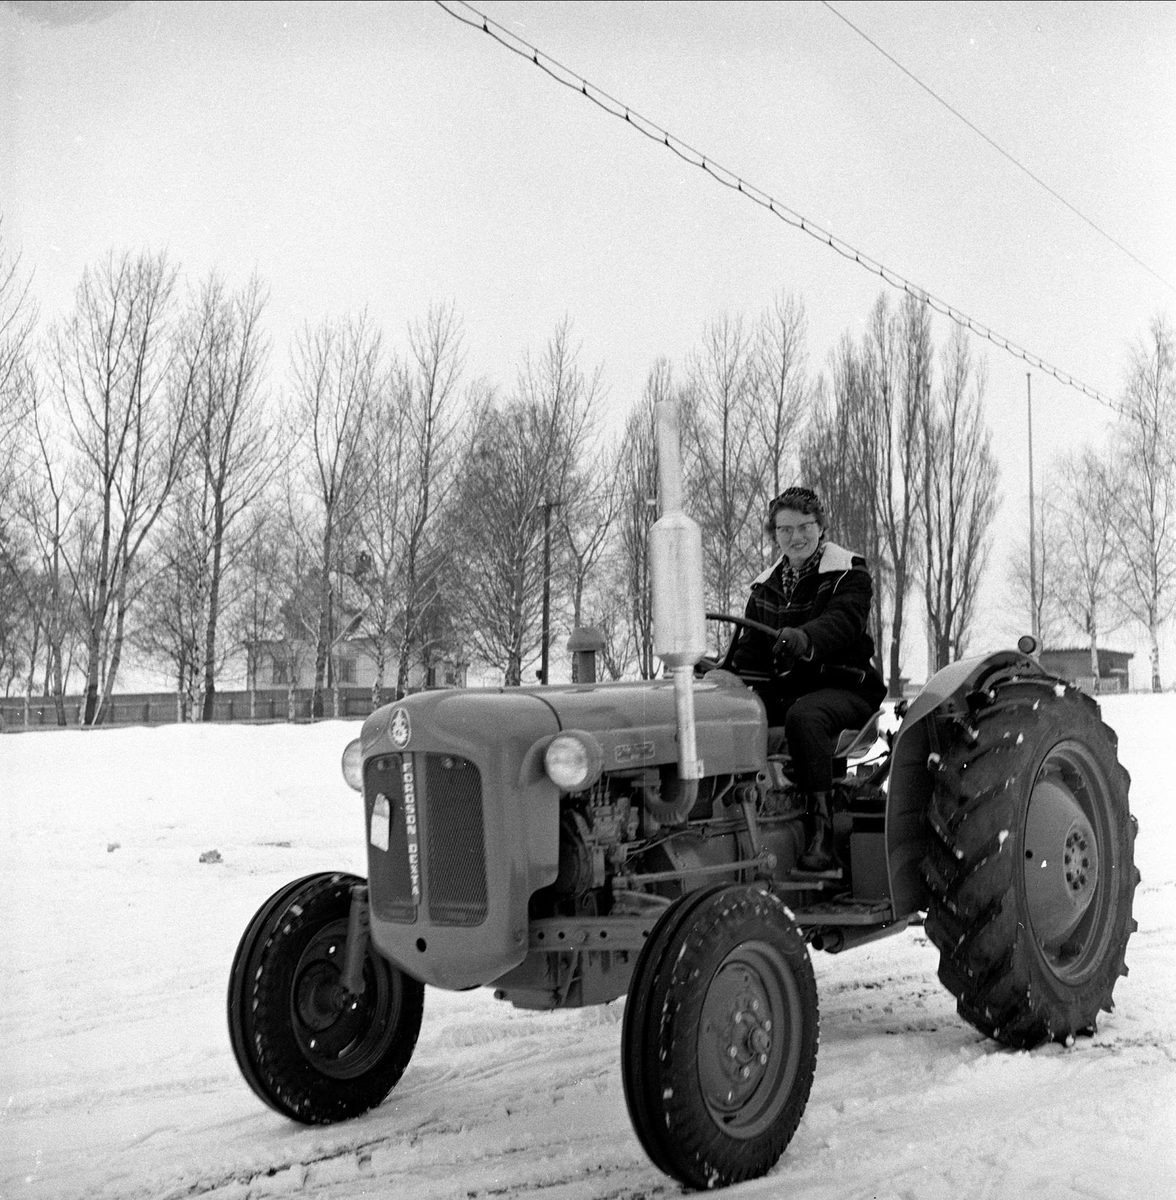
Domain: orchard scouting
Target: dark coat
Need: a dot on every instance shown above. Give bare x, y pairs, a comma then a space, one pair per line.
832, 605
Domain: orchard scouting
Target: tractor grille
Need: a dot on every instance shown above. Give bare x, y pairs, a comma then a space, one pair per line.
436, 849
456, 848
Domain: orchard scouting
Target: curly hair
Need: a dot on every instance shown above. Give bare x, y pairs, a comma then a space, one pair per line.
798, 499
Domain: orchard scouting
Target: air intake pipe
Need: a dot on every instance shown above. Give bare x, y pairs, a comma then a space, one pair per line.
679, 620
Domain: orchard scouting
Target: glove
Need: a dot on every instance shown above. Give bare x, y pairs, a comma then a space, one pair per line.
791, 646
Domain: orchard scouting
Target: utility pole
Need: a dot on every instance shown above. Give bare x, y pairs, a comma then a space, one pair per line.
1034, 618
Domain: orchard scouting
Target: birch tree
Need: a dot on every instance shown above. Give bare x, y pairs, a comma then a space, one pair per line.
1080, 513
1143, 508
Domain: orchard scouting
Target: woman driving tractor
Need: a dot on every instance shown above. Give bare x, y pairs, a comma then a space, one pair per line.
823, 680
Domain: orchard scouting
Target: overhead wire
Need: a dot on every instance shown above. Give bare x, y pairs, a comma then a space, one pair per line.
730, 179
999, 148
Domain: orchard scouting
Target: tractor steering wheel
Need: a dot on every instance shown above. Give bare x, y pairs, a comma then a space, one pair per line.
746, 623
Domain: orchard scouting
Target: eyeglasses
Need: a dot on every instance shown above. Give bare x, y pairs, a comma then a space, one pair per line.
790, 531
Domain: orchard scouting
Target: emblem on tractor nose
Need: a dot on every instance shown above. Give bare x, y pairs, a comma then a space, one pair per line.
400, 729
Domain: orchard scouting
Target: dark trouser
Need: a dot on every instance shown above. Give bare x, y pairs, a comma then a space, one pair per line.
812, 723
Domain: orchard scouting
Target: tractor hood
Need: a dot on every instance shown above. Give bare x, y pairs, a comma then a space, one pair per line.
633, 722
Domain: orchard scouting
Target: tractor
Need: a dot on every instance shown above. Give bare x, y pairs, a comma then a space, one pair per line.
569, 845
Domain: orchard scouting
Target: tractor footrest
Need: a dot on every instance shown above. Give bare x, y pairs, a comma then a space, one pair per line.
845, 913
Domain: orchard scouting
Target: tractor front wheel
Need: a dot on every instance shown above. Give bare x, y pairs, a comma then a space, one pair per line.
719, 1041
306, 1046
1031, 868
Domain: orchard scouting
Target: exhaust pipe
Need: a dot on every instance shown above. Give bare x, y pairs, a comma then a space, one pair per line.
679, 619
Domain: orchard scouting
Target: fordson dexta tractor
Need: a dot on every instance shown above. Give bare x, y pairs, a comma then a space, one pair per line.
570, 845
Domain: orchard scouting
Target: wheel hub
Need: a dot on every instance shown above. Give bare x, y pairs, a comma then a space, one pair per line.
1061, 863
340, 1033
746, 1060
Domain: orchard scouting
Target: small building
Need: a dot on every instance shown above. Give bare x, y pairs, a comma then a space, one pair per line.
280, 665
1073, 663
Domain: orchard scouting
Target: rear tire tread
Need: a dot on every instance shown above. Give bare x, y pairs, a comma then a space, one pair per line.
976, 917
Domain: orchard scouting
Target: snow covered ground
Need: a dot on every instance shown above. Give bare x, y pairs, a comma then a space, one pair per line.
116, 1077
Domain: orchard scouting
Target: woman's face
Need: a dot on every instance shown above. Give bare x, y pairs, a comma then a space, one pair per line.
797, 534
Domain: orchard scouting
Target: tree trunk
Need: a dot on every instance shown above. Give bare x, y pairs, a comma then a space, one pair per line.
115, 660
405, 650
58, 687
1154, 634
1094, 655
378, 682
895, 688
210, 629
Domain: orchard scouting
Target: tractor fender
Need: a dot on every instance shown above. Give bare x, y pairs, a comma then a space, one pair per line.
911, 779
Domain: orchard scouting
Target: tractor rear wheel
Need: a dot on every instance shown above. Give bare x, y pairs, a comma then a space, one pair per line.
1031, 868
719, 1042
305, 1045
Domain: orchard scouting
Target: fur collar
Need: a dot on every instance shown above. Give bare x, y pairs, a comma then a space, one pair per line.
835, 558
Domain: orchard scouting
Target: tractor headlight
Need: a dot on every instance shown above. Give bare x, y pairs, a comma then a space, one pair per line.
573, 761
353, 765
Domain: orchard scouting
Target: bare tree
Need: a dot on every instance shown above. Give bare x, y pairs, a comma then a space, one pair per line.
1053, 579
637, 476
336, 377
235, 450
1143, 511
382, 520
781, 390
514, 479
125, 394
437, 360
174, 600
843, 464
724, 465
1085, 557
959, 500
46, 508
18, 319
18, 315
256, 619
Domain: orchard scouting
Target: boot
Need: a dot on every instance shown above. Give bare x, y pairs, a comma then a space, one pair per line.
820, 854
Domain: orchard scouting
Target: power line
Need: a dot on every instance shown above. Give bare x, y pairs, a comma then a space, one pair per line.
998, 148
617, 108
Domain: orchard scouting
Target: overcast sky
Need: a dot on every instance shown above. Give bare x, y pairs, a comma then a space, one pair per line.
386, 156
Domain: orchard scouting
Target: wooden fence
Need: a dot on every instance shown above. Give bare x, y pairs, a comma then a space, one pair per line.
163, 708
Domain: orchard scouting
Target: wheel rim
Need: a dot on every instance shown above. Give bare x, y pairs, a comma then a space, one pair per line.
343, 1036
1067, 845
748, 1043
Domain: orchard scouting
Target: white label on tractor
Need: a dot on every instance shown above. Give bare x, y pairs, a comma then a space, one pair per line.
381, 820
410, 828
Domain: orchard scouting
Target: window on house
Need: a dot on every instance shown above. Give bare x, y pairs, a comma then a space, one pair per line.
281, 672
347, 670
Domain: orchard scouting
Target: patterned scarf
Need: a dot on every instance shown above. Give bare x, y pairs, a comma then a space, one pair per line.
790, 576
